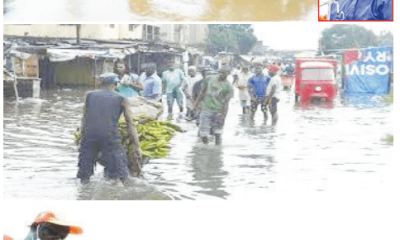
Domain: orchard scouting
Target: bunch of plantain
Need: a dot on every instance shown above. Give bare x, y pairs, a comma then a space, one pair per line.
154, 137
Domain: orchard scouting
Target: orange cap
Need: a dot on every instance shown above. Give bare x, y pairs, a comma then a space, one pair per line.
274, 68
51, 218
323, 18
5, 237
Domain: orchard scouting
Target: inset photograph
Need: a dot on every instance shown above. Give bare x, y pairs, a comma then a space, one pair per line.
72, 220
195, 111
45, 225
355, 10
158, 10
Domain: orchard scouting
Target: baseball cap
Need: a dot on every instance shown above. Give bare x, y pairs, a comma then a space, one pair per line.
274, 68
50, 217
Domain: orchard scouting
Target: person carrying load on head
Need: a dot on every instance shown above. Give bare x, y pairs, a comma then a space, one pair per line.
187, 88
242, 82
273, 92
257, 87
360, 10
172, 81
129, 84
215, 94
99, 131
47, 226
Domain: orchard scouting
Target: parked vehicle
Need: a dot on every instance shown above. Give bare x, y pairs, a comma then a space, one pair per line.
287, 81
316, 79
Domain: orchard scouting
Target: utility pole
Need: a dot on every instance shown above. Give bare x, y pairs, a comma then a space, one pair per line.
78, 34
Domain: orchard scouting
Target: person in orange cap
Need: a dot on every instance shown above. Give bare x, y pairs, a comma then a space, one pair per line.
48, 227
273, 91
322, 18
5, 237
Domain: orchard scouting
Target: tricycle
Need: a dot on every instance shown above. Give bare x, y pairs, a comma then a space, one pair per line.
316, 79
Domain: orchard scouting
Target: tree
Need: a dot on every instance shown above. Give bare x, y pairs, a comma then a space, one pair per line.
385, 39
236, 38
344, 36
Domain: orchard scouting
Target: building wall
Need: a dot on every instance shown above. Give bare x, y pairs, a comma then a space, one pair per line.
135, 31
99, 31
171, 33
186, 34
88, 31
167, 30
40, 30
198, 33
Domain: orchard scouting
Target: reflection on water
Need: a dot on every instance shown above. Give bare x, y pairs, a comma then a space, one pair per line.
207, 168
158, 10
312, 148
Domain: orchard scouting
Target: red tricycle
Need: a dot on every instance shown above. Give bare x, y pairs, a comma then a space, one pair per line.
316, 79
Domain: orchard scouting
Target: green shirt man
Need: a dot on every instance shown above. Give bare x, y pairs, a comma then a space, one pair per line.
217, 95
214, 96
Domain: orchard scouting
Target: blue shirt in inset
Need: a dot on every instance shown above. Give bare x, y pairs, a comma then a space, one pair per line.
362, 10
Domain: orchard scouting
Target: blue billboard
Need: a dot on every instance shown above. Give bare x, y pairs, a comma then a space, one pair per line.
368, 71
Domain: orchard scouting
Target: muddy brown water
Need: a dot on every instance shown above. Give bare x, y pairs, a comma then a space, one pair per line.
311, 149
159, 10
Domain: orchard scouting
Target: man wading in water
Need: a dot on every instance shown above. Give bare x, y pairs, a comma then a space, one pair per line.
172, 82
214, 96
99, 132
257, 86
48, 227
242, 83
187, 88
205, 71
273, 92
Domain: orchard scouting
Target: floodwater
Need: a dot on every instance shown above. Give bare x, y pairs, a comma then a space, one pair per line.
311, 149
160, 10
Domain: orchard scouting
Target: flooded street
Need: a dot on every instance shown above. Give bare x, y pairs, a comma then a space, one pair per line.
314, 149
159, 10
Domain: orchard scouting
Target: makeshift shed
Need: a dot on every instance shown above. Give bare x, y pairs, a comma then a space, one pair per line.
21, 74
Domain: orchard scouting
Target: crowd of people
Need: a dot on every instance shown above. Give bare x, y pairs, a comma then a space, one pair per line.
262, 87
207, 94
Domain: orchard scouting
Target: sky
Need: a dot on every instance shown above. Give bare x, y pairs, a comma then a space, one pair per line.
288, 35
301, 36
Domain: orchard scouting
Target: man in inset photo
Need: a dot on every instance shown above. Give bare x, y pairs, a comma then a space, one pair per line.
47, 226
364, 10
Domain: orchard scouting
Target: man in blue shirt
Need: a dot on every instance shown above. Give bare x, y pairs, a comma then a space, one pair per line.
257, 86
362, 10
152, 84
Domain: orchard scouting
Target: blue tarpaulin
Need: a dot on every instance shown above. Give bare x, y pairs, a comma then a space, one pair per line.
370, 72
362, 10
